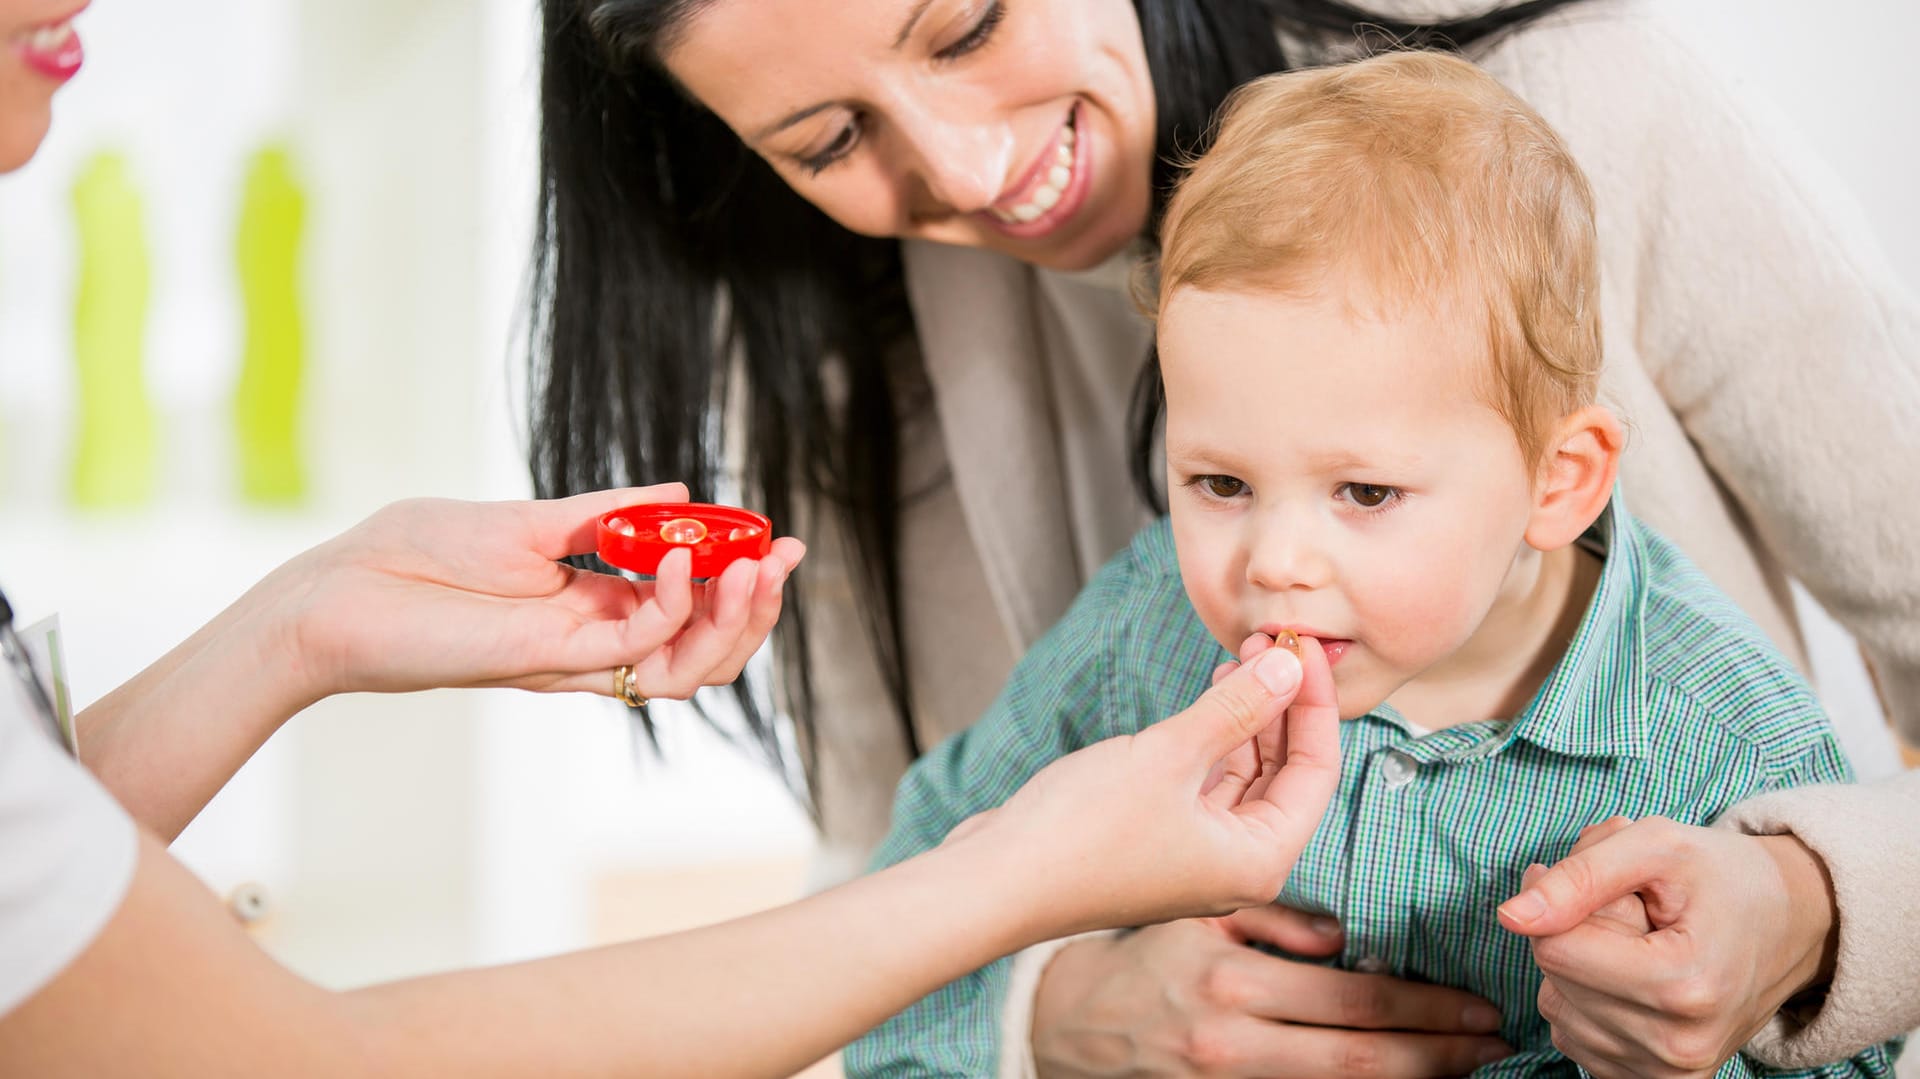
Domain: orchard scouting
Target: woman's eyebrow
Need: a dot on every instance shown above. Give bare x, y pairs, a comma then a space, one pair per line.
906, 31
791, 119
913, 20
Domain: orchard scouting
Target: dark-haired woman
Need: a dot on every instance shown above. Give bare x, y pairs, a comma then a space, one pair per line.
115, 961
873, 254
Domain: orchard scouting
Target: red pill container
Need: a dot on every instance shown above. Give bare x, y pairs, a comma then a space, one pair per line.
638, 537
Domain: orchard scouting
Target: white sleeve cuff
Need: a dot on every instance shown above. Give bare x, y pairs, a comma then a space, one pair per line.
1016, 1017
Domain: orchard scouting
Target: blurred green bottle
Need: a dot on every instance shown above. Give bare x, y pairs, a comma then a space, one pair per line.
266, 402
113, 460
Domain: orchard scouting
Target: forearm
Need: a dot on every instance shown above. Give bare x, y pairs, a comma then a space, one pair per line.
1867, 839
172, 987
761, 996
169, 738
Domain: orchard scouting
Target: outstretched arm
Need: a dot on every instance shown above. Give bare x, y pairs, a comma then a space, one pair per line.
1125, 831
423, 594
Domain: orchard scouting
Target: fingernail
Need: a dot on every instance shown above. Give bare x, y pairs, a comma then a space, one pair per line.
1491, 1053
1525, 907
1480, 1018
1277, 670
1326, 927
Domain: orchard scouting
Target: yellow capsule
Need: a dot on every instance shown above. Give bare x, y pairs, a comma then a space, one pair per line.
743, 532
1288, 640
683, 530
622, 526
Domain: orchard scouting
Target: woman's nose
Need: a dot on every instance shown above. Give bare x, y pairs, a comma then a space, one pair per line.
963, 167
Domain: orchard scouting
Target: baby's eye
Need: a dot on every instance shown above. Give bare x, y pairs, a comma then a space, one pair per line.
1370, 495
1224, 486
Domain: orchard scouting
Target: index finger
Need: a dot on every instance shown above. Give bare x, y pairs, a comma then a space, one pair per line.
1310, 769
1609, 960
1587, 880
563, 527
1295, 992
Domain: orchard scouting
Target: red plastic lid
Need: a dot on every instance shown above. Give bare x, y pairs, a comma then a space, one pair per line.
638, 537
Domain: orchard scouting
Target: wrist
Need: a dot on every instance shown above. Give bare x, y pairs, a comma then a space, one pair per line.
168, 738
275, 625
1015, 902
1812, 913
1066, 981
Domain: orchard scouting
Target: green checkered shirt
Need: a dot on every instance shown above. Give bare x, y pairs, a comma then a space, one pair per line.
1669, 701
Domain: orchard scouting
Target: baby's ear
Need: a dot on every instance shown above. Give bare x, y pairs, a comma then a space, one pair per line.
1577, 470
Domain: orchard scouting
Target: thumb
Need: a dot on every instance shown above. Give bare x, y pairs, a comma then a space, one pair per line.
1238, 707
567, 526
1581, 884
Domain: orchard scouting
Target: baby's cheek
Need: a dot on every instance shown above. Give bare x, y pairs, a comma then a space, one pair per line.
1416, 617
1211, 582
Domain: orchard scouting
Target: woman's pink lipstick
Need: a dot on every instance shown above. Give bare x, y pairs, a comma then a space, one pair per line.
53, 50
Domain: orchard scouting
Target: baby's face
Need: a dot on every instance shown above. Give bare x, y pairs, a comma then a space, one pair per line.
1337, 473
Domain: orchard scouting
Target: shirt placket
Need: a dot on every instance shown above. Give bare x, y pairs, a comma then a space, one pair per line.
1394, 817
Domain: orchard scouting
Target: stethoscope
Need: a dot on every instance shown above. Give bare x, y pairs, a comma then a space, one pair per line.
17, 657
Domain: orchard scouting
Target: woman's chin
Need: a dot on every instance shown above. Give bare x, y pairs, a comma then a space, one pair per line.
22, 129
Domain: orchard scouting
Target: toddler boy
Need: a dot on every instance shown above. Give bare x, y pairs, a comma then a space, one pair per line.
1378, 308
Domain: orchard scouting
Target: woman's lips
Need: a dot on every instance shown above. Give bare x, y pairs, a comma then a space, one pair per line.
53, 50
1045, 199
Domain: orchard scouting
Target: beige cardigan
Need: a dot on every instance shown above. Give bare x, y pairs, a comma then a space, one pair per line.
1763, 353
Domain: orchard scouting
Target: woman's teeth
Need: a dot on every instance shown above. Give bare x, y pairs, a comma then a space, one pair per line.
50, 39
1047, 195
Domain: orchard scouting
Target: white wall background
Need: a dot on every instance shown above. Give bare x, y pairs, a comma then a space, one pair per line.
406, 834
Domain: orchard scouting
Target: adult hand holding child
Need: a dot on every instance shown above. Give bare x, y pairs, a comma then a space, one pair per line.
1677, 990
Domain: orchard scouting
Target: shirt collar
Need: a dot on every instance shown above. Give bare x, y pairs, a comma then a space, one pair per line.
1592, 704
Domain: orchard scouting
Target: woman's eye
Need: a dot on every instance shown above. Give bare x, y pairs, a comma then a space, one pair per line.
841, 145
981, 33
1223, 486
1370, 495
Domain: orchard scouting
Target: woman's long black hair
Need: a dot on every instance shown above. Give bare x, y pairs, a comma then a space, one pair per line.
674, 272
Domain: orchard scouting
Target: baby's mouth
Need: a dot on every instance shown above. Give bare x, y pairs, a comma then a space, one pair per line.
1333, 647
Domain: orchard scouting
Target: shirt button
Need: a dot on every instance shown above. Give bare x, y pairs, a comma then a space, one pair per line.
1398, 769
1370, 964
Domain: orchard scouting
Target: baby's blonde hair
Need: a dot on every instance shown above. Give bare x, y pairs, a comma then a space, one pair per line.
1430, 180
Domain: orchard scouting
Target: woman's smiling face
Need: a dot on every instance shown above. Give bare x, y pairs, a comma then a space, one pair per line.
1020, 126
39, 52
